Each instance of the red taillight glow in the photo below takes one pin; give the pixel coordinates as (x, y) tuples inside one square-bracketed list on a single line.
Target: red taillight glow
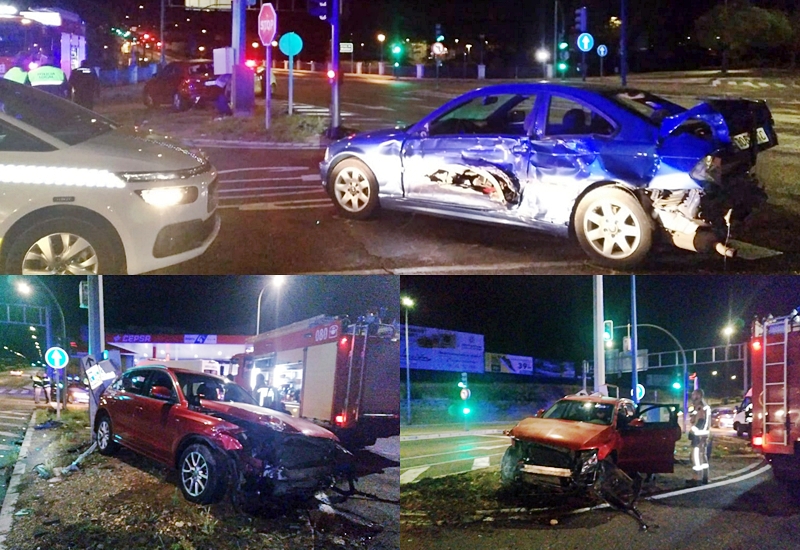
[(758, 441), (250, 63), (331, 74), (340, 418), (756, 345), (343, 341)]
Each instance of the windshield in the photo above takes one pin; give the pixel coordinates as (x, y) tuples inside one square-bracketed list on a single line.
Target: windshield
[(212, 389), (57, 117), (581, 411)]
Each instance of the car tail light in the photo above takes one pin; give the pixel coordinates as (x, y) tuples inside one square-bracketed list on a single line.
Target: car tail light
[(250, 63), (341, 419), (343, 341), (758, 441)]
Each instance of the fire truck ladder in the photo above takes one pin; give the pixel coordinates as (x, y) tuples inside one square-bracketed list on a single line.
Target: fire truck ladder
[(776, 411)]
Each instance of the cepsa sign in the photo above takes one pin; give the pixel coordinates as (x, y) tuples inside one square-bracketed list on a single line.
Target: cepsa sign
[(267, 24)]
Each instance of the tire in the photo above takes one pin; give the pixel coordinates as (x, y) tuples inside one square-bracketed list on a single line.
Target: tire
[(179, 103), (202, 474), (509, 468), (63, 246), (613, 228), (354, 190), (740, 430), (105, 436), (148, 101)]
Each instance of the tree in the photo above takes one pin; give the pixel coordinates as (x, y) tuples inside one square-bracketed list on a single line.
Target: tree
[(736, 29)]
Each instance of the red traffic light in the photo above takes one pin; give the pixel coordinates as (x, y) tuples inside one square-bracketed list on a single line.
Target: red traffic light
[(331, 74)]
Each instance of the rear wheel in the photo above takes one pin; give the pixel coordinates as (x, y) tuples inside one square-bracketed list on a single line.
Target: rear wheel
[(354, 189), (203, 475), (613, 228)]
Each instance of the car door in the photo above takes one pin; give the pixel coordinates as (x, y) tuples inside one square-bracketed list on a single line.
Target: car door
[(166, 83), (158, 418), (474, 156), (648, 439), (122, 404)]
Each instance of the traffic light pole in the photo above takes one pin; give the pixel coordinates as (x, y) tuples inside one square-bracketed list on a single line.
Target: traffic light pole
[(555, 38), (623, 50), (335, 122)]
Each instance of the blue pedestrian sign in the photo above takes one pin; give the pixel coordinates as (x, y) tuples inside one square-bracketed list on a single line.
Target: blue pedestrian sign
[(56, 358), (585, 42), (602, 51)]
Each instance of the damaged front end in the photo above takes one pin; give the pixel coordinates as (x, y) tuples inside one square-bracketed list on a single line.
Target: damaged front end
[(549, 466)]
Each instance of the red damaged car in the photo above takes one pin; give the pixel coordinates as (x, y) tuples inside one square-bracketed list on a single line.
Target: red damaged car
[(569, 444), (216, 436)]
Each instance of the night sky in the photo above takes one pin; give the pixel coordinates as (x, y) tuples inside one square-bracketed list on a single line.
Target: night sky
[(211, 305), (550, 317)]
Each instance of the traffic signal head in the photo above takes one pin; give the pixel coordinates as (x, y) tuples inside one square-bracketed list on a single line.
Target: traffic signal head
[(562, 45), (321, 8), (562, 66), (466, 411), (438, 33), (676, 385), (397, 49), (608, 330), (580, 20)]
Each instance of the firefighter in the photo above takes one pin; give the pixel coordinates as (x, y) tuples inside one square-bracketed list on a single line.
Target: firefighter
[(84, 85), (698, 436)]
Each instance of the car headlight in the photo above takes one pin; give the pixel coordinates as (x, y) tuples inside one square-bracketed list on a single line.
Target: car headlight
[(162, 197), (709, 169), (587, 460)]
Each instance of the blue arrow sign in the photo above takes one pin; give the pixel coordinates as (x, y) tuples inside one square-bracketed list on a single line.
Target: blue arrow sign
[(56, 358), (602, 51), (585, 42)]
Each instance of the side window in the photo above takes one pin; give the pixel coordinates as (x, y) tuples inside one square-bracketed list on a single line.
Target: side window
[(566, 117), (13, 139), (657, 414), (487, 114), (161, 378), (133, 382)]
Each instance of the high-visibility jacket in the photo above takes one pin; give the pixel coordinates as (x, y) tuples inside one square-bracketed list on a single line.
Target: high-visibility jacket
[(47, 75), (701, 427), (16, 74)]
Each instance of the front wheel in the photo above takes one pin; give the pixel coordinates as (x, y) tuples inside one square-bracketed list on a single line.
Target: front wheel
[(63, 246), (105, 437), (179, 103), (354, 189), (203, 475), (613, 228), (509, 468)]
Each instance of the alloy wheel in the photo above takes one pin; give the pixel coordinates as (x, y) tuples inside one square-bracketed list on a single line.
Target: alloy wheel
[(60, 254), (612, 229), (352, 189), (194, 474)]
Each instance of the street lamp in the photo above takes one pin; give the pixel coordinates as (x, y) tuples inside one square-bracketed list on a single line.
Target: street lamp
[(407, 303), (542, 56), (381, 38), (277, 282), (26, 290)]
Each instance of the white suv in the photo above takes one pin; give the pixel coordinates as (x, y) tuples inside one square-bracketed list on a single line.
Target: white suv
[(79, 195)]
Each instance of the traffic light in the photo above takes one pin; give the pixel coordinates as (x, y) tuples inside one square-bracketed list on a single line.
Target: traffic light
[(466, 411), (397, 52), (321, 8), (676, 385), (562, 67), (562, 45), (438, 33), (580, 20), (608, 330)]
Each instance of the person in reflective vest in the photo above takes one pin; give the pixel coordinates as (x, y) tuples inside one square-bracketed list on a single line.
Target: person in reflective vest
[(49, 79), (84, 85), (17, 74), (41, 384), (698, 436)]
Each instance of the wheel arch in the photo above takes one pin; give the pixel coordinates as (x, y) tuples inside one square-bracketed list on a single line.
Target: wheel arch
[(192, 439), (79, 213)]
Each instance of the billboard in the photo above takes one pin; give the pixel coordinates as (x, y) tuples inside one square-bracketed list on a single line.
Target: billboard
[(509, 364), (445, 350), (208, 4)]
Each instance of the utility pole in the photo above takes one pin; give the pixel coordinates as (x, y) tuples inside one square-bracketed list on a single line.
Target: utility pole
[(623, 49), (335, 118), (634, 342), (599, 350), (163, 60)]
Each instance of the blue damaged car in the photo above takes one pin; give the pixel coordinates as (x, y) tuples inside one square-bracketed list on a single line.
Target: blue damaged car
[(616, 168)]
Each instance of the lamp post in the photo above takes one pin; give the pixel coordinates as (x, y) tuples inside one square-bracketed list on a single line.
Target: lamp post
[(542, 56), (277, 282), (407, 303)]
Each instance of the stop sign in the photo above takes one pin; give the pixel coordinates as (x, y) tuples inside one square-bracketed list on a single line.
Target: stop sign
[(267, 24)]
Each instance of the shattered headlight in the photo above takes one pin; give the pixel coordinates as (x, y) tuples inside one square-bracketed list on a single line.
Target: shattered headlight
[(587, 461), (709, 169)]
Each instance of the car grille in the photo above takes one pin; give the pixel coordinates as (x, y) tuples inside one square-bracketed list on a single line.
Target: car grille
[(182, 237), (545, 455), (213, 195)]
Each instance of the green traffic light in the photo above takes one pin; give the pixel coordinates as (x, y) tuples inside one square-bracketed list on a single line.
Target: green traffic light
[(396, 64), (396, 50), (562, 45), (466, 411), (440, 38), (676, 385), (562, 66)]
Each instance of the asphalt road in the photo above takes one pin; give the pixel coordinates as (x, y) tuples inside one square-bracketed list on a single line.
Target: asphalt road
[(276, 218)]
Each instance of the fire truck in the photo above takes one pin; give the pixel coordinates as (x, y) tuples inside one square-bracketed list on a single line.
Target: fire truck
[(41, 35), (775, 346), (338, 374)]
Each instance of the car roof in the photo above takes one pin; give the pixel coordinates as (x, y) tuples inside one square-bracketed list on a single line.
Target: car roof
[(595, 399), (569, 88), (177, 371)]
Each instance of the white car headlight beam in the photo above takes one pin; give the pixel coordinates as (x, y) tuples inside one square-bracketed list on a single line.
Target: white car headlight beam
[(48, 175), (163, 197)]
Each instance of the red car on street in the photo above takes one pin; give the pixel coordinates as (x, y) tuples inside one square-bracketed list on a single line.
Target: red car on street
[(216, 436), (183, 84)]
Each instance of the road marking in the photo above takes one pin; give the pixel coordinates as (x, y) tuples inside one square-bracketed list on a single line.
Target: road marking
[(11, 425), (286, 205), (6, 447), (373, 107), (8, 434), (450, 461), (479, 463), (285, 178), (415, 457), (711, 485), (456, 269), (276, 188), (420, 437), (412, 474), (265, 195), (265, 168)]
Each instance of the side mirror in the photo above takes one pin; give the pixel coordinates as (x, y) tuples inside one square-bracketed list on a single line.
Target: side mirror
[(540, 413), (160, 392)]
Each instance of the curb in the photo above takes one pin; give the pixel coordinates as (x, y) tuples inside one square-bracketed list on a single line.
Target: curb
[(10, 501)]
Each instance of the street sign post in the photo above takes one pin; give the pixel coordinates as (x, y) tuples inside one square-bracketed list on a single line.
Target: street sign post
[(56, 358), (267, 27), (291, 44), (602, 51)]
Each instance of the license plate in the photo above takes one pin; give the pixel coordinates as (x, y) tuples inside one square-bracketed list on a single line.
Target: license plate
[(742, 141)]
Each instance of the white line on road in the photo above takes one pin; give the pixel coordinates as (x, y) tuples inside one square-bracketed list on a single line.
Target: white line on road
[(293, 205), (265, 195), (285, 178), (267, 168), (479, 463), (411, 475), (8, 434), (457, 451), (281, 188), (711, 485), (454, 269), (449, 461), (373, 107)]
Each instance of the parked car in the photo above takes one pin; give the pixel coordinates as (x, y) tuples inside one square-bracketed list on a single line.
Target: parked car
[(81, 195), (261, 76), (183, 84), (213, 433), (722, 417), (613, 167), (567, 445)]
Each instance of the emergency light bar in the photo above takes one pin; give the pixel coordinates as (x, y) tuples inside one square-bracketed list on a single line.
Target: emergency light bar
[(5, 9), (49, 18)]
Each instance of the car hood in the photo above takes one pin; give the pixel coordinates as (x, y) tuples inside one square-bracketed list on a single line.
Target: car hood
[(375, 136), (561, 433), (127, 150), (266, 417)]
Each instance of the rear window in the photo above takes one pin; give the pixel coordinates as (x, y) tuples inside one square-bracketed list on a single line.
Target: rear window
[(644, 104)]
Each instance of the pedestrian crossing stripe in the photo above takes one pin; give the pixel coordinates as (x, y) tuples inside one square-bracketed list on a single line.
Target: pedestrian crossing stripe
[(410, 475), (480, 462)]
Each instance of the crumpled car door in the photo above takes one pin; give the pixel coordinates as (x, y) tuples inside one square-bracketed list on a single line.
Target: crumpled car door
[(648, 441)]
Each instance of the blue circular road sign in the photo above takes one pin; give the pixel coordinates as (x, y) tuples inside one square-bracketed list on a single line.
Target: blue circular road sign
[(585, 42), (290, 44), (56, 358), (602, 51), (639, 392)]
